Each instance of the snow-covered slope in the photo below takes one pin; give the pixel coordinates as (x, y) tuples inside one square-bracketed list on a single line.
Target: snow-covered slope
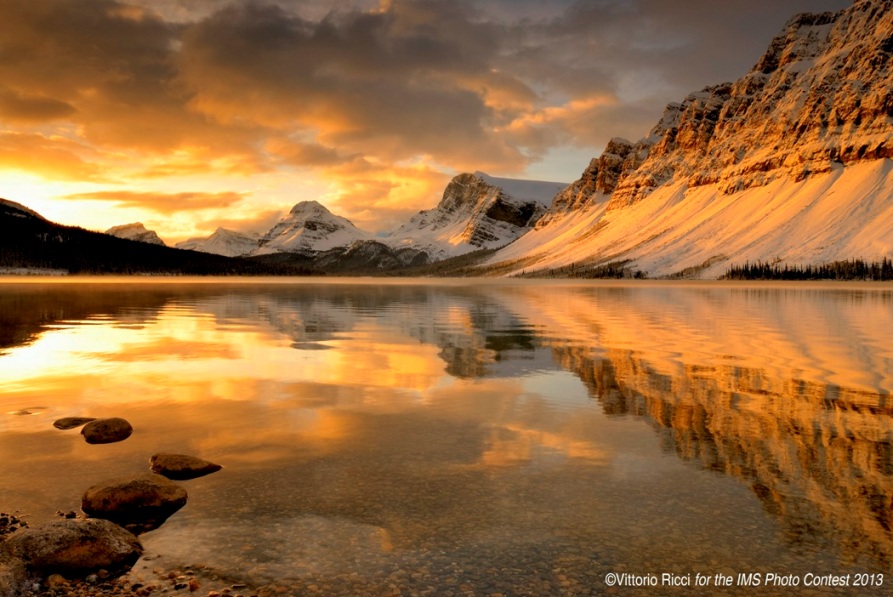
[(223, 242), (477, 211), (842, 214), (789, 163), (135, 231), (310, 228)]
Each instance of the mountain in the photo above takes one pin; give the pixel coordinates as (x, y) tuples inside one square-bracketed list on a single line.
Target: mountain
[(223, 242), (477, 211), (11, 209), (308, 228), (28, 241), (136, 232), (789, 164)]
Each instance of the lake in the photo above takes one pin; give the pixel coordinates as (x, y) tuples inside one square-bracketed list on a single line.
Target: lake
[(472, 436)]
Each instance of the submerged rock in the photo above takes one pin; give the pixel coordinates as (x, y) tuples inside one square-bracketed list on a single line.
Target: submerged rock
[(9, 523), (139, 504), (106, 431), (72, 422), (181, 467), (73, 548), (12, 573)]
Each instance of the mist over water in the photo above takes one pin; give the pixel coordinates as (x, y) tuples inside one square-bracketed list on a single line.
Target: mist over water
[(512, 437)]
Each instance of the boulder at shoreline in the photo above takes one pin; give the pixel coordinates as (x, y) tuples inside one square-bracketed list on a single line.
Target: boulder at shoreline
[(71, 547)]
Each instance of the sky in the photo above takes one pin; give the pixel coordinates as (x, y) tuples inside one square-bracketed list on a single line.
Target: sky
[(188, 115)]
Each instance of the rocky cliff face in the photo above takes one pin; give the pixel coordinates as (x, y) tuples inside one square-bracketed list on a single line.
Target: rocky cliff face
[(789, 164), (600, 178), (137, 232), (820, 95), (476, 212)]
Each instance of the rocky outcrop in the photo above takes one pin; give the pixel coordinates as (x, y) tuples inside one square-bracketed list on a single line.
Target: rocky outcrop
[(73, 548), (139, 503), (136, 231), (790, 163), (819, 96), (600, 178), (475, 212)]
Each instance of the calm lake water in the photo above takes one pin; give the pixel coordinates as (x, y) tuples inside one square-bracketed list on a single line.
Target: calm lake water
[(454, 436)]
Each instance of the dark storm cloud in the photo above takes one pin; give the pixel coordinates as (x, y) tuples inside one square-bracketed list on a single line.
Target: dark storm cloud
[(407, 81)]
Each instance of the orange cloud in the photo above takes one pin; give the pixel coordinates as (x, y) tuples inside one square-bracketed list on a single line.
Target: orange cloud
[(51, 157), (379, 197), (20, 108), (260, 222), (166, 203)]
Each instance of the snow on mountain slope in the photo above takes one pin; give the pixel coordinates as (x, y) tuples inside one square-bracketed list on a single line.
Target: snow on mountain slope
[(845, 213), (228, 243), (786, 163), (525, 190), (137, 232), (310, 227), (477, 211)]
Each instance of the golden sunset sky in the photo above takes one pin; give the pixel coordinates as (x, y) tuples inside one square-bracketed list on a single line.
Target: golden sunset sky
[(187, 115)]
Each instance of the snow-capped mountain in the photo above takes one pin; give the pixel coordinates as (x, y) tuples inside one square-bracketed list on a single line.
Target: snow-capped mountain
[(477, 211), (136, 231), (223, 242), (790, 163), (310, 227)]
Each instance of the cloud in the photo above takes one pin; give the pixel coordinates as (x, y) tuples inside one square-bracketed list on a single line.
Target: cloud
[(108, 68), (410, 80), (379, 197), (304, 154), (382, 100), (18, 108), (258, 222), (52, 157), (166, 203)]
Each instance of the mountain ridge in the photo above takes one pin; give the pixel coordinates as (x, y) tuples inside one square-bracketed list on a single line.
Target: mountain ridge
[(811, 122), (136, 231)]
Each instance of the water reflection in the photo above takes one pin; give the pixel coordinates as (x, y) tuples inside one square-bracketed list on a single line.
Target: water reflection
[(517, 427)]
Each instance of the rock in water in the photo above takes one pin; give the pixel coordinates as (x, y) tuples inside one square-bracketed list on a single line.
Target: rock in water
[(106, 431), (181, 467), (72, 422), (75, 548), (12, 573), (139, 504)]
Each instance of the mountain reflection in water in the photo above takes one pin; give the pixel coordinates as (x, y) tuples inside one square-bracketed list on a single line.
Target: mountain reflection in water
[(462, 416)]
